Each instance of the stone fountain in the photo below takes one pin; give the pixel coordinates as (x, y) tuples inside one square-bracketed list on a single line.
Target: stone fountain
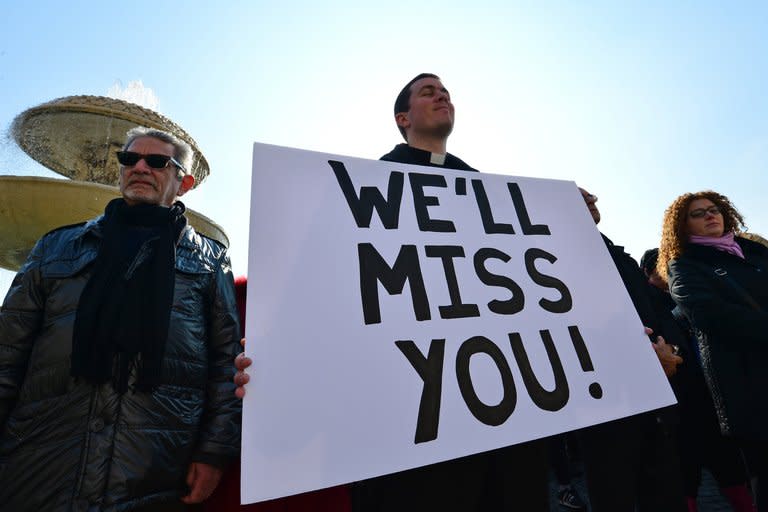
[(77, 137)]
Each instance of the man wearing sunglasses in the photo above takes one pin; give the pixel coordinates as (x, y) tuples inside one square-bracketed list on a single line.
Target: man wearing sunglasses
[(116, 342), (140, 185)]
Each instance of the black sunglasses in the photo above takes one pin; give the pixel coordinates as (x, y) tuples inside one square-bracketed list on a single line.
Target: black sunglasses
[(131, 158)]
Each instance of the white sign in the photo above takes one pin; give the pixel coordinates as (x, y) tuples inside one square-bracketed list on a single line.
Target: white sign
[(401, 315)]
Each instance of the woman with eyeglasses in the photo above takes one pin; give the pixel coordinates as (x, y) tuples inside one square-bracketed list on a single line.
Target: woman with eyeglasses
[(720, 282)]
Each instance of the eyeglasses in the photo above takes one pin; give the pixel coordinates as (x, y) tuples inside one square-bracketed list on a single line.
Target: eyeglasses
[(698, 213), (131, 158)]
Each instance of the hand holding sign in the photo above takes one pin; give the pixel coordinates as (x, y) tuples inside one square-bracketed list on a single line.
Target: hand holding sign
[(242, 362)]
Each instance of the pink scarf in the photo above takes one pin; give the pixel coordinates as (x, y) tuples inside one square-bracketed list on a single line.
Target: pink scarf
[(726, 243)]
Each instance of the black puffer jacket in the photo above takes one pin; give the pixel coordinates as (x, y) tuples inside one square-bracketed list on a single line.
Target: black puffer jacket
[(732, 333), (67, 445)]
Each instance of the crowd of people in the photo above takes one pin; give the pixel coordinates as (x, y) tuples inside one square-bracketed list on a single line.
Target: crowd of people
[(118, 390)]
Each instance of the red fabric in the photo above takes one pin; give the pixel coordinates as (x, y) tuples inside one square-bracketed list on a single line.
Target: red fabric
[(241, 287), (739, 497), (226, 498)]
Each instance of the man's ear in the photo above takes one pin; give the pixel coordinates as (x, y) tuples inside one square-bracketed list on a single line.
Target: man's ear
[(402, 120), (187, 182)]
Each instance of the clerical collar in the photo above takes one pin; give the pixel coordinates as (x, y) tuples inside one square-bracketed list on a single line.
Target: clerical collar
[(437, 159)]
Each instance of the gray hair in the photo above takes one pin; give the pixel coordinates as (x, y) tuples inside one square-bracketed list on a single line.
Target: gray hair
[(181, 150)]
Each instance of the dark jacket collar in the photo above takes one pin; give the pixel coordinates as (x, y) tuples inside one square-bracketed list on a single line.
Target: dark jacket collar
[(609, 243), (405, 154)]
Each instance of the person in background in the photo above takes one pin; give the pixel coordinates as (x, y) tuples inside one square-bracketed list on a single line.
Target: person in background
[(631, 463), (699, 439), (720, 282)]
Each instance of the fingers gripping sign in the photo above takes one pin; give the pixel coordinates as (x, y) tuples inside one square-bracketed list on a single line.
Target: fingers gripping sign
[(667, 354), (242, 362)]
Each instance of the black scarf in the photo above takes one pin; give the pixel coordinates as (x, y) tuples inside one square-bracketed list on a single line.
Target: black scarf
[(125, 307)]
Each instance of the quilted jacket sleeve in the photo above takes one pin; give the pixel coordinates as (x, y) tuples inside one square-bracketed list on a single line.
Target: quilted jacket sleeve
[(20, 320), (219, 440)]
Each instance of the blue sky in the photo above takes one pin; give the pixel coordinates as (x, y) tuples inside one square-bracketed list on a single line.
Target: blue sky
[(637, 102)]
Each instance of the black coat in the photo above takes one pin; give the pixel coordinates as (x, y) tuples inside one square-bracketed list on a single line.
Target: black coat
[(634, 459), (712, 288), (636, 284), (66, 444), (654, 313)]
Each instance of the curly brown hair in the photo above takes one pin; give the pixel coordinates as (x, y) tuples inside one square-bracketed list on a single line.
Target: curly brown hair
[(674, 233)]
